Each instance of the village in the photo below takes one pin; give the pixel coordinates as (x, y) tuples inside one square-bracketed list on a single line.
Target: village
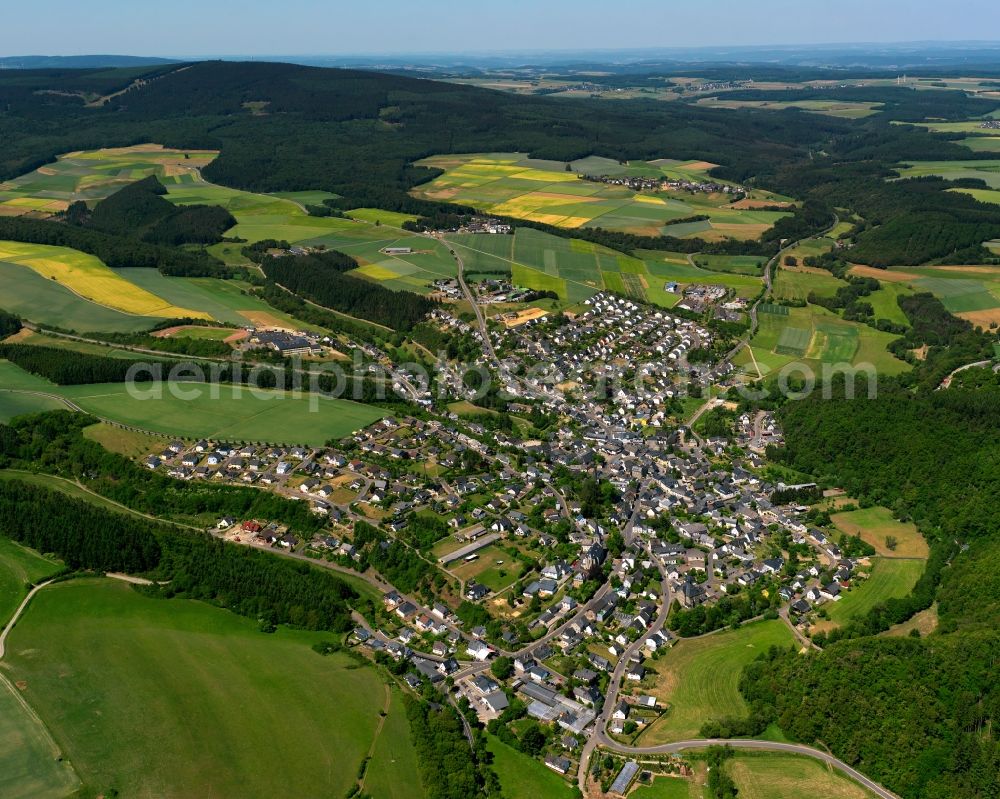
[(539, 599)]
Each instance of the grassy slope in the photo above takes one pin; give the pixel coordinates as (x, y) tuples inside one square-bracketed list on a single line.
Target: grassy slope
[(29, 768), (176, 698), (523, 777), (235, 414), (18, 567), (393, 772), (698, 678), (781, 776), (33, 297), (890, 577), (12, 405), (875, 523)]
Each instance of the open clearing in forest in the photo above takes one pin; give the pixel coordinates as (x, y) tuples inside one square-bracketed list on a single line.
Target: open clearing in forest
[(152, 697), (875, 524), (890, 578)]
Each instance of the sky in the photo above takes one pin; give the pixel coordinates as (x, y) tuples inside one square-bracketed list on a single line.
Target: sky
[(337, 27)]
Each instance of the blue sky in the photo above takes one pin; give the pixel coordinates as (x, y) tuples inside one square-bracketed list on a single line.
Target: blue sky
[(267, 27)]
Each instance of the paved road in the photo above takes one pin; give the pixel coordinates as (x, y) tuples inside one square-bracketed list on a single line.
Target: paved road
[(599, 735), (947, 381), (480, 317), (771, 746)]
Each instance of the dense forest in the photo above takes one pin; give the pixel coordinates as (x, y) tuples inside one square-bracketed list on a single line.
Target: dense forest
[(9, 324), (139, 210), (913, 713), (68, 368), (247, 581), (358, 134), (320, 277)]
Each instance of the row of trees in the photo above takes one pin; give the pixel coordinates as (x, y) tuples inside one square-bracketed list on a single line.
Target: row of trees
[(320, 277)]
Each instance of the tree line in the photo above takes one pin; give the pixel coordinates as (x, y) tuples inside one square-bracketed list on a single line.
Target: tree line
[(118, 252), (191, 565), (320, 277)]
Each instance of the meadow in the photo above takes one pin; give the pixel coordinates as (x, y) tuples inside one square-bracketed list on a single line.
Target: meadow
[(88, 277), (890, 577), (669, 788), (833, 108), (20, 567), (815, 336), (523, 777), (987, 170), (13, 405), (94, 175), (153, 698), (697, 678), (30, 764), (511, 184), (971, 292), (874, 524), (776, 775), (189, 410), (46, 302)]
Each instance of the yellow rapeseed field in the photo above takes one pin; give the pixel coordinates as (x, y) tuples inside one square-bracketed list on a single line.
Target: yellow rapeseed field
[(91, 279)]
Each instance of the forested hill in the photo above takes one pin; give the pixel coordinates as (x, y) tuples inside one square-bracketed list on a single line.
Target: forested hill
[(917, 715), (287, 127)]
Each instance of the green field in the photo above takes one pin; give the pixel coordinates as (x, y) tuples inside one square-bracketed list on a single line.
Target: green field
[(987, 171), (19, 567), (523, 777), (93, 175), (12, 405), (781, 339), (775, 775), (875, 523), (175, 698), (30, 764), (577, 269), (393, 772), (31, 296), (698, 678), (669, 788), (791, 284), (885, 302), (675, 268), (235, 413), (736, 264), (890, 577), (511, 184)]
